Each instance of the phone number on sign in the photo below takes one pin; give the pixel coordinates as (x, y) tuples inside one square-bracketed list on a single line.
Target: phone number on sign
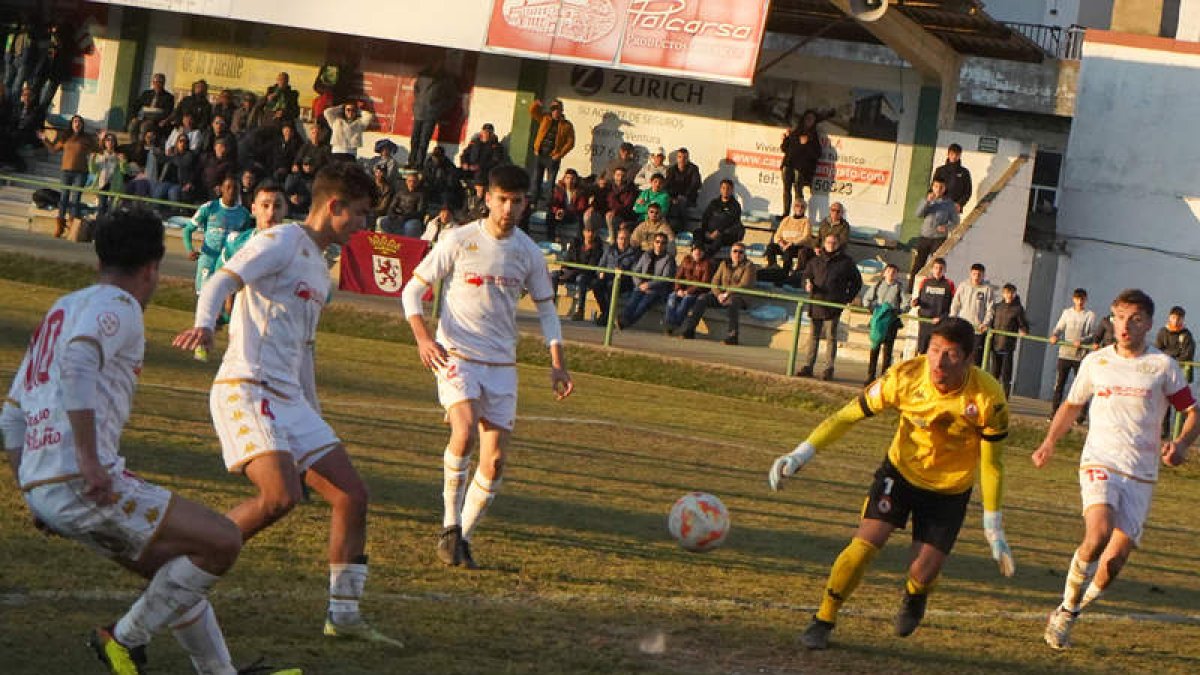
[(833, 186)]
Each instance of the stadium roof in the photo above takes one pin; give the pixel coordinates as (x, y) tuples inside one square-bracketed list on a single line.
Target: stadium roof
[(961, 24)]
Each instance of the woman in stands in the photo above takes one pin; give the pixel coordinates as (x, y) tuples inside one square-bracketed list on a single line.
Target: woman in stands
[(76, 144)]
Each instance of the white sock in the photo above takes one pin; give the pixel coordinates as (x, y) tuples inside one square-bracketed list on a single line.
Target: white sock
[(200, 636), (1078, 575), (176, 587), (479, 496), (454, 486), (1093, 592), (346, 582)]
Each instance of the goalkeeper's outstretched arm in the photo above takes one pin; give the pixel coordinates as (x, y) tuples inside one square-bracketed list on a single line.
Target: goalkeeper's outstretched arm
[(827, 432)]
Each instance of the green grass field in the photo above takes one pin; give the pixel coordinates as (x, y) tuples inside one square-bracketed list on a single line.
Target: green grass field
[(579, 574)]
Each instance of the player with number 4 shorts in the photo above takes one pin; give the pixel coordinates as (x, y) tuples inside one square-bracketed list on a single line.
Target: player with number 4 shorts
[(62, 423), (1130, 384), (953, 422), (264, 401)]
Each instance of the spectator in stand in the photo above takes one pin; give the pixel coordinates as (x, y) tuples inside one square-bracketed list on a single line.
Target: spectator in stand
[(281, 104), (648, 230), (932, 299), (283, 153), (794, 241), (76, 145), (219, 129), (1076, 328), (625, 159), (939, 214), (476, 206), (1007, 315), (683, 184), (137, 153), (721, 224), (106, 171), (154, 106), (973, 301), (407, 214), (248, 186), (195, 104), (214, 167), (439, 224), (298, 188), (555, 138), (656, 164), (66, 44), (567, 205), (188, 130), (216, 220), (733, 274), (802, 149), (27, 121), (622, 255), (225, 107), (832, 276), (836, 224), (315, 151), (179, 178), (1175, 340), (439, 178), (586, 249), (483, 153), (435, 93), (655, 194), (956, 177), (384, 194), (347, 123), (146, 159), (658, 262), (696, 267), (885, 299), (620, 198), (385, 156), (1105, 334), (245, 117)]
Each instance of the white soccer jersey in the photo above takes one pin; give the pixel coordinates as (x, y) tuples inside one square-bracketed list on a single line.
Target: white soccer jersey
[(479, 314), (110, 319), (274, 320), (1129, 400)]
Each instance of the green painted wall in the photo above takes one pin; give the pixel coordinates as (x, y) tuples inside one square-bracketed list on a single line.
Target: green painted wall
[(920, 169), (531, 82)]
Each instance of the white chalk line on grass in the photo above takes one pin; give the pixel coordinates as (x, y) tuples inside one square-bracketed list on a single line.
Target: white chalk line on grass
[(22, 598)]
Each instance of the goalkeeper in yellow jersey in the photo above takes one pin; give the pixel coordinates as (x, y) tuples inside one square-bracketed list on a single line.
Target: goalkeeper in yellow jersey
[(953, 422)]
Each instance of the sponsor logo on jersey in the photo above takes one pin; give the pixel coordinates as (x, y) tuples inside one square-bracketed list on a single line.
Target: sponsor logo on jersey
[(306, 292), (479, 280), (109, 323), (971, 411)]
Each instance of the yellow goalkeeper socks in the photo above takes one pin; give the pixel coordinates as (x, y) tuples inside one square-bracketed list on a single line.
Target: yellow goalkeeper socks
[(845, 576)]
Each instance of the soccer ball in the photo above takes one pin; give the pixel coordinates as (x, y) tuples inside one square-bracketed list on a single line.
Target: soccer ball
[(698, 521)]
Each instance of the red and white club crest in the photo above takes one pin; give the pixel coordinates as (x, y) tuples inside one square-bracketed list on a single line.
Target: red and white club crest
[(389, 275)]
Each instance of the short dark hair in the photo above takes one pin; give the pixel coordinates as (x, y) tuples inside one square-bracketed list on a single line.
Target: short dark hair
[(1178, 311), (1137, 298), (954, 147), (726, 181), (958, 331), (343, 180), (508, 178), (938, 179), (660, 236), (266, 186), (128, 239), (891, 266), (978, 266), (1009, 287), (654, 205), (1079, 293), (658, 176), (938, 261)]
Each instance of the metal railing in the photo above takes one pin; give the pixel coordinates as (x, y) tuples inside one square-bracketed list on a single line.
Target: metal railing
[(45, 183), (1061, 43)]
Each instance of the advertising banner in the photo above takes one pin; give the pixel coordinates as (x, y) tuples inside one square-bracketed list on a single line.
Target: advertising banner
[(374, 263), (707, 39)]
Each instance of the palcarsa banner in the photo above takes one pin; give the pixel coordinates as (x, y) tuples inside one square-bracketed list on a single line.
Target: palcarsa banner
[(374, 263), (707, 39)]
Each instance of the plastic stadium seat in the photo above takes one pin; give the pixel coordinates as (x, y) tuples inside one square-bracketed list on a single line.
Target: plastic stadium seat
[(683, 239), (769, 313), (176, 222), (756, 251), (870, 267)]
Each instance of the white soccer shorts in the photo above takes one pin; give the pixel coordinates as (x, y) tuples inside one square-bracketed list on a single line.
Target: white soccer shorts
[(253, 420), (1128, 497), (120, 530), (492, 388)]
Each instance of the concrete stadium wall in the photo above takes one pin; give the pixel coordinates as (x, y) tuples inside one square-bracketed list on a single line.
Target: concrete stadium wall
[(1130, 205)]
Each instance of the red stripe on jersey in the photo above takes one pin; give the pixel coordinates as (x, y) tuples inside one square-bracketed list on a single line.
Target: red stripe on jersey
[(1182, 399)]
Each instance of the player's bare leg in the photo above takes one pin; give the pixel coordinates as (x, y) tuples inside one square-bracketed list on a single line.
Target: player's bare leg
[(1081, 587), (279, 490), (844, 577), (493, 445), (192, 548), (456, 461), (922, 575)]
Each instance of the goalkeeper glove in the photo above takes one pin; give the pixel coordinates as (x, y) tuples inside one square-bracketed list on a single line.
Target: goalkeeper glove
[(993, 530), (789, 464)]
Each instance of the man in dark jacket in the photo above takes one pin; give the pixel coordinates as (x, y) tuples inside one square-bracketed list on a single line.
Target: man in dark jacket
[(1175, 340), (483, 153), (683, 184), (622, 255), (195, 104), (657, 262), (956, 177), (154, 105), (932, 300), (721, 224), (801, 152), (831, 276), (1007, 315)]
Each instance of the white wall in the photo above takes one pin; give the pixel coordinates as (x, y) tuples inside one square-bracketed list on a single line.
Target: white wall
[(93, 102), (1189, 21)]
